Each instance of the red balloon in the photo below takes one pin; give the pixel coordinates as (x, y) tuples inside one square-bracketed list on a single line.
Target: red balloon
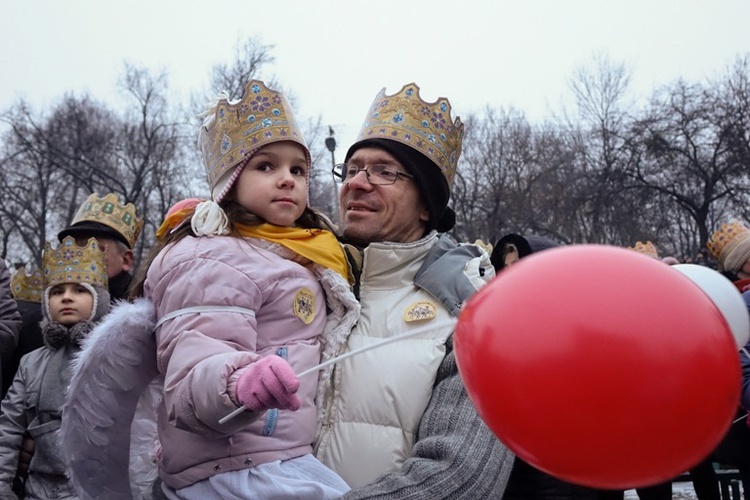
[(599, 365)]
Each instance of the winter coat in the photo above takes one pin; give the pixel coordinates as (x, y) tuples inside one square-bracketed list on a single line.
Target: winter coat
[(34, 405), (397, 420), (279, 308), (10, 319), (29, 338)]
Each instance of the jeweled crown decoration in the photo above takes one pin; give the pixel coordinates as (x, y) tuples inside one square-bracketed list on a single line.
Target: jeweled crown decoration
[(70, 263), (427, 127), (233, 129), (27, 287), (110, 212), (647, 248), (726, 238)]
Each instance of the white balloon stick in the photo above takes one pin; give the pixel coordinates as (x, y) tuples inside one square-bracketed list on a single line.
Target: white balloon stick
[(449, 323)]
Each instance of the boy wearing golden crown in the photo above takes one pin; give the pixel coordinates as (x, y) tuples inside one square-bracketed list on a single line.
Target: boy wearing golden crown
[(398, 422), (75, 297), (116, 227)]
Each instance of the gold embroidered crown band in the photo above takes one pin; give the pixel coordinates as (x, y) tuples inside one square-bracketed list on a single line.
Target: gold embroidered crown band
[(232, 130), (109, 212), (427, 127), (70, 263)]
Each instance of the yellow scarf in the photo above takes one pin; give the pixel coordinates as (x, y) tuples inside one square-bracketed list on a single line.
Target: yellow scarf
[(317, 245)]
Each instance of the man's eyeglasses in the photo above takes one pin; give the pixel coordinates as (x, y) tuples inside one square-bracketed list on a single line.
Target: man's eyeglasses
[(377, 175)]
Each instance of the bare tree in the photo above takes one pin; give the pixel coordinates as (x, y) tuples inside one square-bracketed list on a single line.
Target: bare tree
[(47, 165), (153, 142), (51, 163), (606, 202), (251, 56), (691, 148)]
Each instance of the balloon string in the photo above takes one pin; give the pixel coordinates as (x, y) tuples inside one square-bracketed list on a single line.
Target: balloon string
[(446, 323)]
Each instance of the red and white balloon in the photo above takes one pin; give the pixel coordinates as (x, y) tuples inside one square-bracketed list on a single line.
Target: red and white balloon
[(600, 366)]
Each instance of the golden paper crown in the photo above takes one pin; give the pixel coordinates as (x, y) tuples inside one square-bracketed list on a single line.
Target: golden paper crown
[(647, 248), (70, 263), (111, 213), (487, 246), (427, 127), (726, 238), (27, 287), (233, 129)]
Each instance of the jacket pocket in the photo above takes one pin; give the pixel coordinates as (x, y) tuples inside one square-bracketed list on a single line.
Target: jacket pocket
[(47, 456)]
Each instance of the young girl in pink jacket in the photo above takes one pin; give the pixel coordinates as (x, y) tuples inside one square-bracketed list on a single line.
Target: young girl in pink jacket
[(249, 289)]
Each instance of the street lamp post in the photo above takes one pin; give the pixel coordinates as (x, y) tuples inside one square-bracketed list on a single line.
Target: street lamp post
[(331, 146)]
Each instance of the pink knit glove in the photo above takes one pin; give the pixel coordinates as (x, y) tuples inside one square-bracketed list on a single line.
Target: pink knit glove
[(268, 383)]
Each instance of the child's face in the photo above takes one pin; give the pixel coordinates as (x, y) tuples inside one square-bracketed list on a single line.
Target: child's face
[(744, 271), (70, 303), (273, 185)]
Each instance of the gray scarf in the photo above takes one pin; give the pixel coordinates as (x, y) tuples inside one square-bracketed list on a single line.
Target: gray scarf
[(63, 344)]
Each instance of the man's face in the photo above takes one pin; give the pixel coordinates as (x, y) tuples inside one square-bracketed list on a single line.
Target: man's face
[(117, 257), (394, 212)]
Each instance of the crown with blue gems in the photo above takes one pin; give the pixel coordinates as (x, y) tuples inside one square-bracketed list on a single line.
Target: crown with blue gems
[(70, 263), (110, 212), (27, 287), (231, 130), (427, 127)]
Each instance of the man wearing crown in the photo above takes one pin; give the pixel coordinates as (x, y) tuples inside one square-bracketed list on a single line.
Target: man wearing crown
[(397, 421), (75, 297), (116, 227)]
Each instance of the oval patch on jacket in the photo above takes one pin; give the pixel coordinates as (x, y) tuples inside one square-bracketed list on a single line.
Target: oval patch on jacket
[(419, 311), (304, 305)]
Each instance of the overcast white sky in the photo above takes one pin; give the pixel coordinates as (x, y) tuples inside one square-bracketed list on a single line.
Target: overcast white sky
[(335, 55)]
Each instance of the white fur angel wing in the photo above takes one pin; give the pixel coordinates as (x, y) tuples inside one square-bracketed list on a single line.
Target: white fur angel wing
[(113, 370)]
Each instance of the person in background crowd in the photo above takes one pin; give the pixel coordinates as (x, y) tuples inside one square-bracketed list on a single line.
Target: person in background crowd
[(661, 491), (730, 246), (396, 420), (10, 319), (26, 290), (75, 298), (116, 227), (526, 482), (513, 247)]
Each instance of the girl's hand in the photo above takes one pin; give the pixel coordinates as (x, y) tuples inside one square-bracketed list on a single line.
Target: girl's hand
[(268, 383)]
